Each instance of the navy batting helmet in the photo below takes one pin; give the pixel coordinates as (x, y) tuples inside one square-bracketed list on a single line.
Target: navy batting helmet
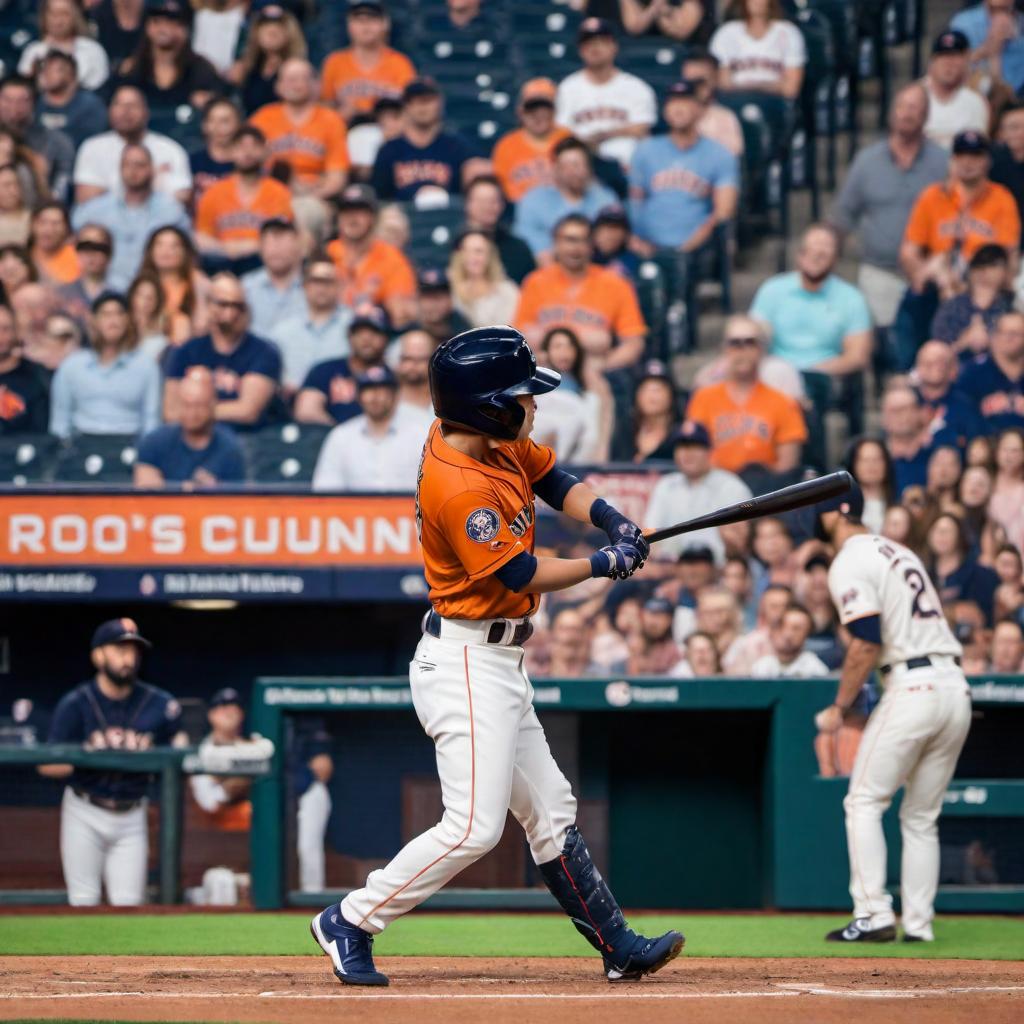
[(849, 504), (476, 377)]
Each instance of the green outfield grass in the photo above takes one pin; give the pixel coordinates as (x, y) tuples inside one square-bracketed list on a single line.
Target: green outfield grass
[(424, 934)]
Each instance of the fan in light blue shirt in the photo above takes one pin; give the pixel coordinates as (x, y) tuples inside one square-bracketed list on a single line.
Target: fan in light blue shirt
[(681, 184), (574, 191), (976, 22)]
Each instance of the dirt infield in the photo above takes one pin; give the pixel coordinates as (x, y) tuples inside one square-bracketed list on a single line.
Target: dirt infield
[(291, 989)]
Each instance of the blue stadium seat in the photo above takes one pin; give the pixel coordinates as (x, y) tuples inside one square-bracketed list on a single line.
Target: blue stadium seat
[(433, 231), (284, 454), (97, 458), (27, 458)]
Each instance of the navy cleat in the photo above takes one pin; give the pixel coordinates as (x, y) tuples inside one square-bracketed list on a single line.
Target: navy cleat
[(349, 947), (646, 957), (858, 931)]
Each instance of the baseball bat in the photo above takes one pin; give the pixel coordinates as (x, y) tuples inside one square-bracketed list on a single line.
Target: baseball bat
[(807, 492)]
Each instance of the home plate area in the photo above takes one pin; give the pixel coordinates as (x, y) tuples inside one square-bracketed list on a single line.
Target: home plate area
[(510, 989)]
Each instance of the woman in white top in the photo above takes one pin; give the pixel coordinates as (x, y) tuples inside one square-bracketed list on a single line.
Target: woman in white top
[(760, 50), (481, 290), (62, 27), (576, 418)]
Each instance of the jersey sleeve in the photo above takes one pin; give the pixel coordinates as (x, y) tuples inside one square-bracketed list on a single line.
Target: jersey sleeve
[(67, 725), (918, 230), (536, 459), (336, 158), (478, 534), (529, 304), (791, 422), (206, 212), (267, 363), (1008, 224), (854, 593), (170, 722)]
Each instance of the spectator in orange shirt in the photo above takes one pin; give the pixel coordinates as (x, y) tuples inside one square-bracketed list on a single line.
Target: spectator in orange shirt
[(310, 140), (231, 212), (749, 422), (52, 244), (951, 220), (598, 304), (522, 158), (372, 271), (354, 79)]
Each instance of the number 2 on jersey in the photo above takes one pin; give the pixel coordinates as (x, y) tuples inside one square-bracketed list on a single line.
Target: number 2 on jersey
[(923, 607)]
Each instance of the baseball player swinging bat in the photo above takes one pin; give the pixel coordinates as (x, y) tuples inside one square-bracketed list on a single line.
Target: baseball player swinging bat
[(785, 499)]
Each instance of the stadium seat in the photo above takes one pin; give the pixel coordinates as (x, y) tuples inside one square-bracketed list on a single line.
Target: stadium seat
[(284, 454), (27, 458), (650, 292), (97, 458), (433, 232)]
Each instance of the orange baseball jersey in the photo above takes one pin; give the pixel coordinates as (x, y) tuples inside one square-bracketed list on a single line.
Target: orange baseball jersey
[(941, 218), (474, 517), (600, 299), (317, 145), (381, 275), (223, 214), (747, 432), (521, 164), (355, 88)]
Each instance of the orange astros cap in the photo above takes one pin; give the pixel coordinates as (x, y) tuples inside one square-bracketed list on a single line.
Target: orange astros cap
[(536, 91)]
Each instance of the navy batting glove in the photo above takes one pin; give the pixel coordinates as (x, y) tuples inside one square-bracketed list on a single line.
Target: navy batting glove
[(619, 528), (616, 562)]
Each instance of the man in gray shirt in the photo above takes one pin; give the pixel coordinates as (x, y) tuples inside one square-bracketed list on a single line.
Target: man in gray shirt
[(880, 190), (17, 115)]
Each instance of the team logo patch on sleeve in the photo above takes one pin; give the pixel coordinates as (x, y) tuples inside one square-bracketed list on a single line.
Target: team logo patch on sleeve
[(482, 525)]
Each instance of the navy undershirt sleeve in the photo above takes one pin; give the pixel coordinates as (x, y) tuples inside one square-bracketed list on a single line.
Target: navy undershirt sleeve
[(518, 571), (553, 486), (869, 628)]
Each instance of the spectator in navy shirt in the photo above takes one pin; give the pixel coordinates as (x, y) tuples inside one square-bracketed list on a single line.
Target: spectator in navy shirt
[(966, 320), (611, 242), (906, 436), (62, 105), (957, 575), (328, 393), (220, 124), (934, 373), (994, 383), (24, 385), (246, 369), (195, 452), (1008, 156), (424, 155)]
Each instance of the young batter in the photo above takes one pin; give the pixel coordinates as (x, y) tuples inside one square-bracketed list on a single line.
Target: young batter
[(475, 510), (913, 738)]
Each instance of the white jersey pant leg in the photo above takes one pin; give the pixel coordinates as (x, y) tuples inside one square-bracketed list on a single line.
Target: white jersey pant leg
[(922, 802), (314, 812), (894, 737), (83, 849), (470, 700), (542, 799), (124, 872)]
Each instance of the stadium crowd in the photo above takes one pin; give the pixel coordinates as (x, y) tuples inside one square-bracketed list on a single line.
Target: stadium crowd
[(340, 211)]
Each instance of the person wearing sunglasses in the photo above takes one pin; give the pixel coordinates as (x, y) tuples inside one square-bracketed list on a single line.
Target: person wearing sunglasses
[(749, 422), (246, 369), (94, 248)]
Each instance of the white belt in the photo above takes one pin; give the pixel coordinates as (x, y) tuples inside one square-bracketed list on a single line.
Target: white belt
[(497, 632)]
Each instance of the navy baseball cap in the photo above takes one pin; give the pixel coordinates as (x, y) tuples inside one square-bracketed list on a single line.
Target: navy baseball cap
[(366, 7), (226, 695), (269, 10), (692, 432), (418, 87), (592, 28), (613, 213), (661, 605), (176, 9), (118, 631), (358, 197), (850, 503), (376, 377), (970, 142), (951, 41), (697, 553), (371, 316), (433, 279), (683, 89)]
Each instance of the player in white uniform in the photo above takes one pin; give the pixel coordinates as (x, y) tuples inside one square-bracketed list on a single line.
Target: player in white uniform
[(915, 735)]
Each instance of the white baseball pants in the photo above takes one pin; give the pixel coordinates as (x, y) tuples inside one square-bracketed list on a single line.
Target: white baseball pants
[(913, 739), (475, 702), (313, 814), (97, 847)]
